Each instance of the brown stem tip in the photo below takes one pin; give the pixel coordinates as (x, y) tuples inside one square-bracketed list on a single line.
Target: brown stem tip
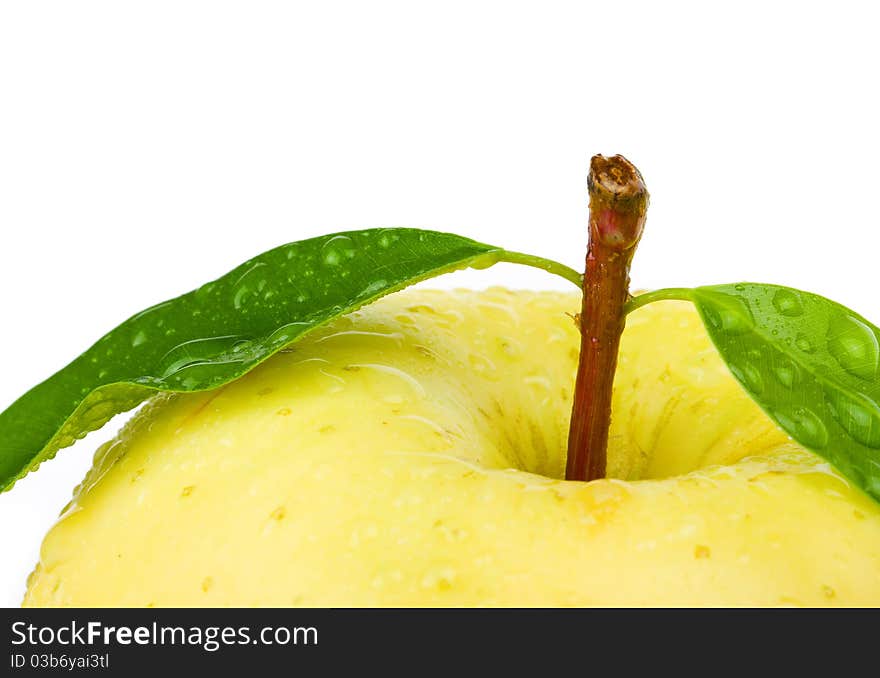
[(618, 202), (618, 205)]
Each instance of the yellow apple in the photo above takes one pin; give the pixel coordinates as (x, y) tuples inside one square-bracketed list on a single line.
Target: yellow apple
[(411, 453)]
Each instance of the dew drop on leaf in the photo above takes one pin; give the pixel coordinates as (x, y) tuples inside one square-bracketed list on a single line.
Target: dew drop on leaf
[(854, 346), (287, 333), (190, 383), (338, 249), (373, 287), (196, 352), (729, 314), (805, 426), (205, 290), (859, 418), (804, 344), (788, 303), (750, 376), (785, 374), (240, 346), (241, 295)]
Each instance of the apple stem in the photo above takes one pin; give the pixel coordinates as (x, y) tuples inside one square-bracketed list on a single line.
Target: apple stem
[(618, 205)]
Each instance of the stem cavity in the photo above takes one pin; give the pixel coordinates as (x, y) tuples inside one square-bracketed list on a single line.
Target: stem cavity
[(618, 205)]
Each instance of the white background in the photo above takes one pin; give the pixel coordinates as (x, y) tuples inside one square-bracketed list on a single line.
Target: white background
[(148, 147)]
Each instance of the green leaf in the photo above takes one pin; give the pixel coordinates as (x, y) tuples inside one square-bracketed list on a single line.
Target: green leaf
[(222, 330), (811, 364)]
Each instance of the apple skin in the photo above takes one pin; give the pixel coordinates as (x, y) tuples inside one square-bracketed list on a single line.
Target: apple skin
[(410, 454)]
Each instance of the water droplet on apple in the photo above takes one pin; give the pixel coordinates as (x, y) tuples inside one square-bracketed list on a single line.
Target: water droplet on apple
[(510, 347), (402, 376), (539, 382), (440, 578)]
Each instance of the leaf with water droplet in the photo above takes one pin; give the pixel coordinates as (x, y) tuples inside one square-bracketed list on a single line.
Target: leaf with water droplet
[(810, 363), (222, 330)]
